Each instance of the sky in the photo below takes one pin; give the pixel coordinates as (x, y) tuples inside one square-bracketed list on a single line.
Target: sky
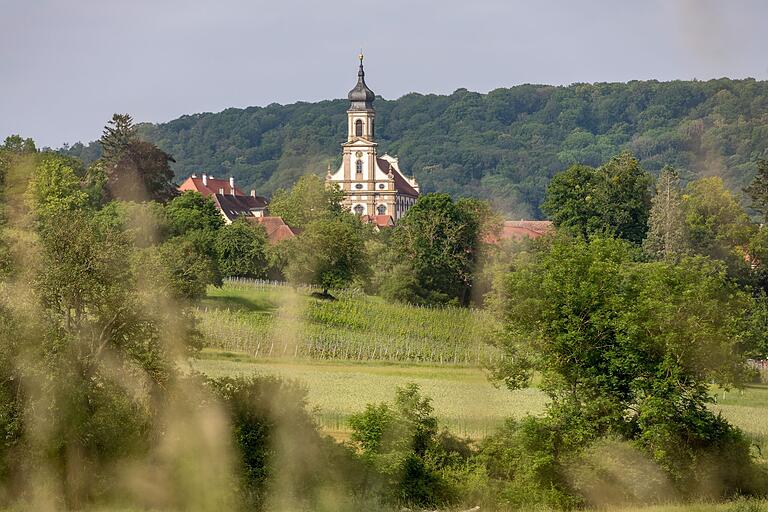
[(67, 65)]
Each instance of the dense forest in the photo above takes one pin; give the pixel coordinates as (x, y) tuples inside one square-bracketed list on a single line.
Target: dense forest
[(504, 145)]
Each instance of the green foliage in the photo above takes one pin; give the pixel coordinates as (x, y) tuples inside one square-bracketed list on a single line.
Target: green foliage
[(758, 254), (187, 266), (612, 200), (718, 226), (308, 200), (242, 249), (757, 191), (402, 445), (627, 348), (437, 243), (55, 187), (503, 146), (522, 457), (329, 253), (140, 172), (667, 232), (191, 211), (267, 415), (118, 134), (19, 145)]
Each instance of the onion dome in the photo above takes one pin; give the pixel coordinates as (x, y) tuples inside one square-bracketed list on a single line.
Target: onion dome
[(361, 96)]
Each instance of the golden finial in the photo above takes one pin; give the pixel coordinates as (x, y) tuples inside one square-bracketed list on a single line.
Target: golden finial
[(361, 56)]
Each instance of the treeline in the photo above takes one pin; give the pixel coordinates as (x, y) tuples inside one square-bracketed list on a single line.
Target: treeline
[(503, 146)]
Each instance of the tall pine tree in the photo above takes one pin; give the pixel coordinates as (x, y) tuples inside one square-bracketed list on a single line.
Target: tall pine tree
[(667, 237), (758, 190), (118, 134)]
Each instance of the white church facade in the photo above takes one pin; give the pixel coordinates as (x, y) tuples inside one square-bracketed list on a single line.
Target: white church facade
[(374, 186)]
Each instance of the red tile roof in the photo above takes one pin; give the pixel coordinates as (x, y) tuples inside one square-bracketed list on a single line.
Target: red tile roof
[(277, 230), (401, 184), (382, 221), (214, 186)]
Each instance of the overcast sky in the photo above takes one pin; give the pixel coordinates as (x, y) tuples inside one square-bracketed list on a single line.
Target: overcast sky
[(67, 65)]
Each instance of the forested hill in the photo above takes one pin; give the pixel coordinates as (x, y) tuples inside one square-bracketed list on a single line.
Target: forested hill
[(504, 145)]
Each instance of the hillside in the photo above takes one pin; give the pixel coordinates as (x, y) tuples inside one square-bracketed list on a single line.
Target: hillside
[(503, 146)]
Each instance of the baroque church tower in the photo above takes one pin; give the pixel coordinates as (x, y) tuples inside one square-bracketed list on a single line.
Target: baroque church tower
[(374, 187)]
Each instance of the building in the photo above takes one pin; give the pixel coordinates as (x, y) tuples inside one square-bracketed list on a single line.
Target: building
[(277, 230), (374, 186), (230, 200), (233, 203)]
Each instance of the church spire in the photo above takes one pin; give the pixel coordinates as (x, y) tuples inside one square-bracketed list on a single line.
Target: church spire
[(361, 96)]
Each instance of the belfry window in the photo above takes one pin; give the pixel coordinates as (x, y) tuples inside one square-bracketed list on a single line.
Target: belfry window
[(359, 128), (359, 166), (381, 209), (359, 209)]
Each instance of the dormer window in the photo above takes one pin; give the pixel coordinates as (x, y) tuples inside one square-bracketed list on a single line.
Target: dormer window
[(359, 128), (359, 166)]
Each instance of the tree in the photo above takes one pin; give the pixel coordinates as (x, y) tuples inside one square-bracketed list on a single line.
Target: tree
[(571, 200), (308, 200), (438, 240), (329, 253), (55, 187), (140, 172), (718, 226), (118, 134), (613, 199), (758, 189), (242, 249), (667, 232), (18, 144), (628, 348), (191, 211)]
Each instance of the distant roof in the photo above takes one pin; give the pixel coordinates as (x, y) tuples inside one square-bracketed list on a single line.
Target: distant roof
[(277, 230), (238, 206), (401, 184), (382, 221), (212, 186)]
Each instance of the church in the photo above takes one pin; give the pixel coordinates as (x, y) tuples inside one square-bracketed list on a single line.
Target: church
[(374, 186)]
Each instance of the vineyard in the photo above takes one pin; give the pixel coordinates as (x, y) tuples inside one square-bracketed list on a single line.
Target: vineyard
[(270, 320)]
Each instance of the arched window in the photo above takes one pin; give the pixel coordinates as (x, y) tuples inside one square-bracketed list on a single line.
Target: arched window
[(381, 209), (359, 128), (359, 209), (372, 127), (359, 166)]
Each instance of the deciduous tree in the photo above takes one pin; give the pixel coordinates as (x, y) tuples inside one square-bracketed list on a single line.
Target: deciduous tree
[(308, 200), (242, 249)]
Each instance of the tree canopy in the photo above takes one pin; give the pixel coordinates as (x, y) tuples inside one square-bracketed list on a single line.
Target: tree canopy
[(613, 199)]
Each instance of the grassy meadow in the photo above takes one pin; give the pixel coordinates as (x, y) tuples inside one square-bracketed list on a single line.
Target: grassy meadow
[(358, 349)]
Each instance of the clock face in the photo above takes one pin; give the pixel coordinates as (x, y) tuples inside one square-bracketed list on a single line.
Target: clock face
[(359, 154)]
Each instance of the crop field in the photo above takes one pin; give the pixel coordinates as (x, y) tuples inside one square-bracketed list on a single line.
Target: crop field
[(271, 321)]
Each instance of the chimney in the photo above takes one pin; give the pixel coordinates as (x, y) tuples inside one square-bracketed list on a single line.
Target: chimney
[(205, 180), (253, 193), (194, 175), (232, 184)]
